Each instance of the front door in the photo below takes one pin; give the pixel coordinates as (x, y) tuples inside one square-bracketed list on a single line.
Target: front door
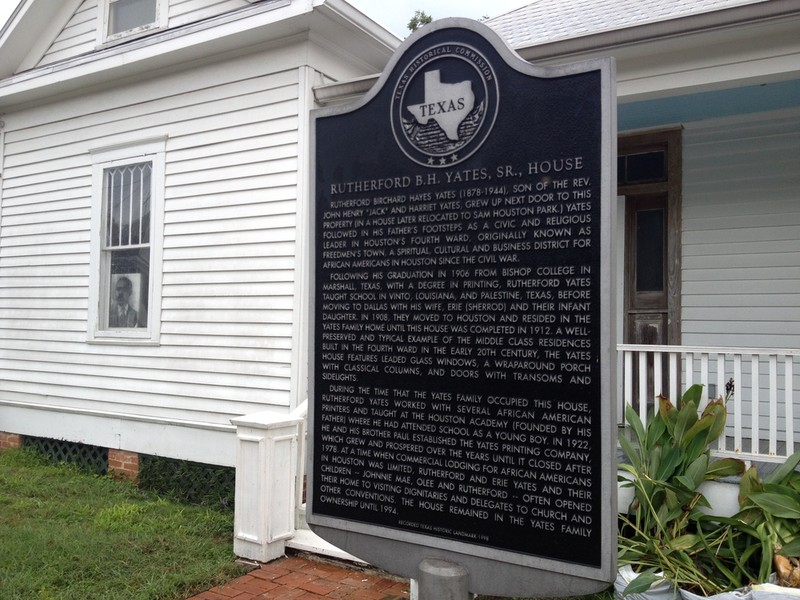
[(649, 177)]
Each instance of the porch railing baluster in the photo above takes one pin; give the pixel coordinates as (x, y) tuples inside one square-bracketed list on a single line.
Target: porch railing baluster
[(643, 387), (737, 402), (789, 403), (686, 365), (721, 390), (755, 409)]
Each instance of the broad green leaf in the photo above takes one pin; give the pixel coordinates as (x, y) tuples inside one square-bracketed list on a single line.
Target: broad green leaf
[(749, 484), (684, 542), (687, 483), (672, 514), (785, 470), (783, 490), (629, 451), (687, 416), (719, 413), (693, 394), (696, 472), (702, 501), (635, 424), (700, 430), (671, 500), (695, 446), (725, 467), (776, 505), (642, 583), (750, 515), (663, 516), (669, 462), (668, 413), (654, 459), (655, 431), (792, 549)]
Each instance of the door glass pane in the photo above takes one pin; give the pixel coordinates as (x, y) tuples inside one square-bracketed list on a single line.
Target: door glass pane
[(644, 167), (650, 250)]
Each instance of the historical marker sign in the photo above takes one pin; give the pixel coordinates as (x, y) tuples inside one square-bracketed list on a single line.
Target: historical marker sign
[(461, 321)]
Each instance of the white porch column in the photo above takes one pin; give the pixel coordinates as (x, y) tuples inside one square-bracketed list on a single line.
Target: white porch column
[(266, 470)]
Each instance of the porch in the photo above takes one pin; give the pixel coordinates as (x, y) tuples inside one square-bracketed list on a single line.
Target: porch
[(762, 421)]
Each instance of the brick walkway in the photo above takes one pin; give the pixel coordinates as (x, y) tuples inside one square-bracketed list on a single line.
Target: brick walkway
[(306, 577)]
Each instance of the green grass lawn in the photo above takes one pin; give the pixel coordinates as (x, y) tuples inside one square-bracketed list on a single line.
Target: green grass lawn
[(68, 535)]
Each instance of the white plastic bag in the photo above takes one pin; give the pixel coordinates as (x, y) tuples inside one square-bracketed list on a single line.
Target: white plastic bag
[(771, 591), (662, 590), (758, 591), (745, 594)]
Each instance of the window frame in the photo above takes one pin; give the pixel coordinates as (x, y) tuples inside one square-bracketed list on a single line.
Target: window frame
[(104, 20), (100, 277)]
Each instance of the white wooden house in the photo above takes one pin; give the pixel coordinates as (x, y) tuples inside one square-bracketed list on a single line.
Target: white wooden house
[(207, 103), (196, 113)]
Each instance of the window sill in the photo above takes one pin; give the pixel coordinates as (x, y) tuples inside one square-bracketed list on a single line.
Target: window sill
[(127, 36), (120, 341)]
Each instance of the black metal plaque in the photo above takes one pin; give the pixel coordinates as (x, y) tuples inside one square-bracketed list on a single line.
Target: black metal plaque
[(459, 357)]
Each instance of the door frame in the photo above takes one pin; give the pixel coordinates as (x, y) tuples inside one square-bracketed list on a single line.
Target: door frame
[(669, 140)]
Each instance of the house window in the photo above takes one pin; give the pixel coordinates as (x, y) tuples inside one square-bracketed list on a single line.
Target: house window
[(127, 191), (126, 216), (124, 18)]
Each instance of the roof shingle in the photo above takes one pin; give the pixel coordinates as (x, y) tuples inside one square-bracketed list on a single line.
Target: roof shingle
[(546, 21)]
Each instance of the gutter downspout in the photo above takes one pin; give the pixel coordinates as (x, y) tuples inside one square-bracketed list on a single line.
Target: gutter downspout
[(344, 91)]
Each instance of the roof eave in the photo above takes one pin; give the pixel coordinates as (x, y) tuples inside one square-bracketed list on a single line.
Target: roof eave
[(232, 31), (731, 17)]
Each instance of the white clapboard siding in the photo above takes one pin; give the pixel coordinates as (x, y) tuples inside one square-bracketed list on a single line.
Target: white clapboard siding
[(741, 237), (164, 399), (186, 359), (741, 229), (239, 359), (79, 35), (59, 183), (237, 77), (229, 270), (189, 11), (241, 386), (90, 131)]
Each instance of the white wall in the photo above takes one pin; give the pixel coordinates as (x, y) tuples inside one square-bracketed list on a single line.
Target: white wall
[(741, 232), (228, 260), (79, 36), (741, 243)]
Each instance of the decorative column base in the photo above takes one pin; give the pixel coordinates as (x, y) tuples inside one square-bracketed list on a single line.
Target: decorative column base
[(266, 468)]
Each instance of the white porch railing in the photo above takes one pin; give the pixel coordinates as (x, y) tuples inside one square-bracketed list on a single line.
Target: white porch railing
[(763, 413)]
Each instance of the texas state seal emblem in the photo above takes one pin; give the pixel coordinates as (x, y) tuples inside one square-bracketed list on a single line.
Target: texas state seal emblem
[(444, 105)]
